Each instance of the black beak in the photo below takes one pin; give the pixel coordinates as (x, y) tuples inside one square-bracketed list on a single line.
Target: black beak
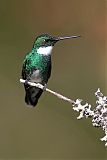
[(68, 37)]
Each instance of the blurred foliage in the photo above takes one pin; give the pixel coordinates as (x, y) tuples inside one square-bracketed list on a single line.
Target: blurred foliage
[(51, 131)]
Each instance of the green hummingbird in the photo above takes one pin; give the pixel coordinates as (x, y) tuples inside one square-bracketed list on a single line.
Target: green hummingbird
[(37, 65)]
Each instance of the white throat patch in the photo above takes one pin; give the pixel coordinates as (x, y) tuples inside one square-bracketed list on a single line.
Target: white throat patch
[(45, 50)]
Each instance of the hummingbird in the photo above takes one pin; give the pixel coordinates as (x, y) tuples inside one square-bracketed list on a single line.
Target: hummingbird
[(37, 66)]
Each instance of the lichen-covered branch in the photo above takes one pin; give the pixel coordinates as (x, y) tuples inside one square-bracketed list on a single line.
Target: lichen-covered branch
[(98, 115)]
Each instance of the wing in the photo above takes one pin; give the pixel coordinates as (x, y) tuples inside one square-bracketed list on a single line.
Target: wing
[(26, 72), (49, 70), (32, 93)]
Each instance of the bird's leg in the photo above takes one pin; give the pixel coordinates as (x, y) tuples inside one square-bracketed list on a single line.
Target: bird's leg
[(44, 88), (26, 81)]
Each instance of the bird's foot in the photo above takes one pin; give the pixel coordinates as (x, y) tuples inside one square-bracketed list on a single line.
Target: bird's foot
[(26, 81), (44, 88)]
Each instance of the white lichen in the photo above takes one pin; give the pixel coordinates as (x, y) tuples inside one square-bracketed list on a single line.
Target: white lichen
[(98, 114)]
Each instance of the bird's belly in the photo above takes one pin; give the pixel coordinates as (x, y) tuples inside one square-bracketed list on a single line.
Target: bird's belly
[(36, 77)]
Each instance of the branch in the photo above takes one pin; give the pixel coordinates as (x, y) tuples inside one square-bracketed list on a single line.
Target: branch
[(98, 115), (48, 90)]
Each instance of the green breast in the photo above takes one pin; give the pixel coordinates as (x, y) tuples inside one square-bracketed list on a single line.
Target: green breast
[(34, 61)]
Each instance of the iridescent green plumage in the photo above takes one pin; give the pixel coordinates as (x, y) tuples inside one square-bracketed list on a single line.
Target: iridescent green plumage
[(34, 61), (37, 66)]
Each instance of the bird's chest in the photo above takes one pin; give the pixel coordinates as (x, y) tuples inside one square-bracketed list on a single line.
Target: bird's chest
[(36, 76), (37, 68)]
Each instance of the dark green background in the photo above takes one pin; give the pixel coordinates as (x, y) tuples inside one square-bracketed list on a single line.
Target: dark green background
[(51, 130)]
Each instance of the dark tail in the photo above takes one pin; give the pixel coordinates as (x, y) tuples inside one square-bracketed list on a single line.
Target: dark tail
[(32, 95)]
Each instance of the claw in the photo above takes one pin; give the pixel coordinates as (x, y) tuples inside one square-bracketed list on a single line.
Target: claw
[(44, 88), (26, 81)]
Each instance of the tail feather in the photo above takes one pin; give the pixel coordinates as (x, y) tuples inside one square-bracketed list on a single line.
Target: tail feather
[(32, 95)]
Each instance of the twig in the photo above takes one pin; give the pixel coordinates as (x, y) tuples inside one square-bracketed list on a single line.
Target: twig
[(98, 115), (48, 90)]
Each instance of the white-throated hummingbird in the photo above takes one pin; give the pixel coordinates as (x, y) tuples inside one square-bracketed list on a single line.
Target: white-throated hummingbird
[(37, 65)]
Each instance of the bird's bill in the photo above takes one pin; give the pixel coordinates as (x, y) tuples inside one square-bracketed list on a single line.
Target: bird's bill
[(68, 37)]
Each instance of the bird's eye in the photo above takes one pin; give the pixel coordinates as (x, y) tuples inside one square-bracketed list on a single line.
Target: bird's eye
[(47, 40)]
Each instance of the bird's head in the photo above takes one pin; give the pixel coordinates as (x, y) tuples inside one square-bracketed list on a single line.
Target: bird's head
[(45, 40)]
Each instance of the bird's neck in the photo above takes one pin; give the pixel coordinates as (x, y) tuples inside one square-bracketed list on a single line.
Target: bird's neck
[(44, 50)]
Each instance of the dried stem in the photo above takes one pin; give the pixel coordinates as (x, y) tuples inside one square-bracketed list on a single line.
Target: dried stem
[(48, 90)]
